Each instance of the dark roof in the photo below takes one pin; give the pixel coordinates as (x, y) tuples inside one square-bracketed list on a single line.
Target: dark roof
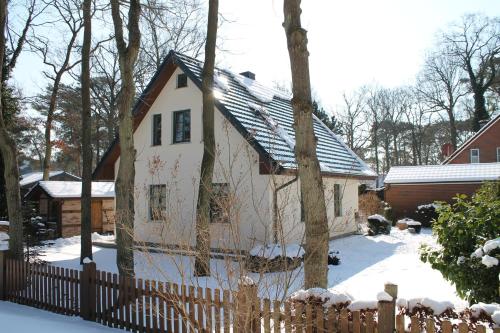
[(464, 145), (270, 130)]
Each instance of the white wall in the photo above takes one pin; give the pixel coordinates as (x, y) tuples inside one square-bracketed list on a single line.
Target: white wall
[(289, 207), (178, 166)]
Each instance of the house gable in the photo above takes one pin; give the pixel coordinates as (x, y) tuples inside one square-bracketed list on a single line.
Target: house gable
[(487, 140), (235, 104)]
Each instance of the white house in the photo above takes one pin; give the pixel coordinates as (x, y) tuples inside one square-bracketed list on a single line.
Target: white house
[(256, 192)]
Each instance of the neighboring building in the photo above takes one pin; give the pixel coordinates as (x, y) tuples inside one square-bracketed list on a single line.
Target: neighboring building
[(30, 179), (482, 147), (407, 187), (477, 160), (256, 195), (58, 203)]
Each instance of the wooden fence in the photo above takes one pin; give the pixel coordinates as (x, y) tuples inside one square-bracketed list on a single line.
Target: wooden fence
[(150, 306)]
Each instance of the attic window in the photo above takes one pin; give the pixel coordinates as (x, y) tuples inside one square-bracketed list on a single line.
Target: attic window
[(182, 80), (474, 155)]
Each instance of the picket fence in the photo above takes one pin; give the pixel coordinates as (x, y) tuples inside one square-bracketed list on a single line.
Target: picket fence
[(139, 305)]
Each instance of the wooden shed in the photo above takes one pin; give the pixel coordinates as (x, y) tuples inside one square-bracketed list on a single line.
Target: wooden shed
[(59, 204)]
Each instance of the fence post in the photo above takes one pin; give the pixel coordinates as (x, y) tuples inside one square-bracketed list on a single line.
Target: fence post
[(3, 276), (387, 310), (245, 301), (88, 292)]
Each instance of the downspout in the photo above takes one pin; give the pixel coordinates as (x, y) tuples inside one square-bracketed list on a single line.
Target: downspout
[(275, 207)]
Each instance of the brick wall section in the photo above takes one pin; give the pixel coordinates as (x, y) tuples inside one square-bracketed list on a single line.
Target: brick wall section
[(405, 198), (487, 144)]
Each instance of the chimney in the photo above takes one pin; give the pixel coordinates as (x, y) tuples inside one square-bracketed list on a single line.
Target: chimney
[(248, 74), (447, 150)]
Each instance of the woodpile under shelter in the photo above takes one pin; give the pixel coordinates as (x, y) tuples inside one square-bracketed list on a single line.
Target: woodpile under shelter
[(58, 203)]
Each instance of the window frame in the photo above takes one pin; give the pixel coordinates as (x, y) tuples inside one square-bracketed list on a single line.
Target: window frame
[(185, 83), (174, 127), (162, 204), (498, 154), (154, 130), (478, 156), (215, 191), (337, 200)]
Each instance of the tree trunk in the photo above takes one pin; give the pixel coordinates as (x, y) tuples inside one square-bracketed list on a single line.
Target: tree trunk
[(202, 262), (126, 169), (48, 127), (11, 171), (453, 128), (86, 214), (311, 182), (480, 113)]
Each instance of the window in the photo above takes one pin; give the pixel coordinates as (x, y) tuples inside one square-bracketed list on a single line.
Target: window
[(220, 203), (337, 200), (474, 155), (498, 154), (182, 126), (156, 132), (182, 80), (157, 201)]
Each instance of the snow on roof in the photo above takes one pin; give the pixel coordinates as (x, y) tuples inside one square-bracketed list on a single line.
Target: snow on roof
[(259, 91), (443, 173), (33, 177), (272, 131), (70, 189)]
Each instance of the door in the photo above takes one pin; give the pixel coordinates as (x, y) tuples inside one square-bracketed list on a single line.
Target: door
[(96, 216)]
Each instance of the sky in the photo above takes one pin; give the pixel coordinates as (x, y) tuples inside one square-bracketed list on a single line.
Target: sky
[(351, 43)]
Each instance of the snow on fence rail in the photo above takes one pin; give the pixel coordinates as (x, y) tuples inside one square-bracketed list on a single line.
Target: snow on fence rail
[(150, 306)]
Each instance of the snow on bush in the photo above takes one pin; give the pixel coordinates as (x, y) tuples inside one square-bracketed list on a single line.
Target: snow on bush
[(496, 317), (489, 261), (477, 254), (437, 307), (272, 251), (491, 245), (484, 308), (377, 217), (321, 296), (402, 303), (428, 206), (359, 305)]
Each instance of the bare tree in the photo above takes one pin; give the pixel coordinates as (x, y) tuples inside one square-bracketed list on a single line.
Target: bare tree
[(127, 55), (311, 182), (475, 43), (86, 198), (352, 120), (439, 87), (59, 60), (202, 263), (168, 25), (9, 155)]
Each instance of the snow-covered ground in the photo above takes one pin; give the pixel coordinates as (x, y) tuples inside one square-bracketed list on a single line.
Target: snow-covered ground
[(23, 319), (366, 264)]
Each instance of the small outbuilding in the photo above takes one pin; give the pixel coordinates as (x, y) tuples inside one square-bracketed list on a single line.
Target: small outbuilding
[(30, 179), (408, 187), (58, 203)]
